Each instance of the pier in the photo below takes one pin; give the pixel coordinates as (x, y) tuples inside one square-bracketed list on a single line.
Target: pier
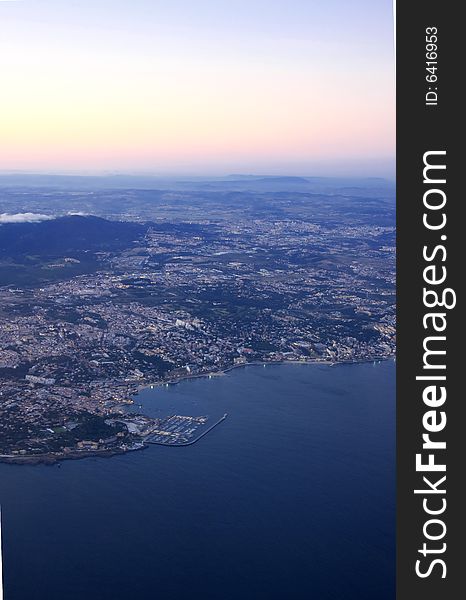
[(155, 439)]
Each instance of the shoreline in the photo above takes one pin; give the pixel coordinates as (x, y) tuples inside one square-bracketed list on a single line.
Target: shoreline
[(221, 372), (54, 459)]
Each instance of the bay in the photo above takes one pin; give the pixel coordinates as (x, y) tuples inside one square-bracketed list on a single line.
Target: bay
[(291, 497)]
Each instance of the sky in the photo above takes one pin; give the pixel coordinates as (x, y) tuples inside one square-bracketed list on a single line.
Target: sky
[(198, 87)]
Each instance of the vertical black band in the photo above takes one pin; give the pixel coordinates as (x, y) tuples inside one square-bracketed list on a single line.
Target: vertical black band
[(430, 125)]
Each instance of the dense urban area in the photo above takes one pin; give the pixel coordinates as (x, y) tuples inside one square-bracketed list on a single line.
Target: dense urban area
[(103, 291)]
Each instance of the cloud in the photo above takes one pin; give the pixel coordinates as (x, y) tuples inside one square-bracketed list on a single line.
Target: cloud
[(24, 218)]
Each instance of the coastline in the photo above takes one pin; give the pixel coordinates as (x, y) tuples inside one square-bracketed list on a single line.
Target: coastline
[(224, 371), (55, 458)]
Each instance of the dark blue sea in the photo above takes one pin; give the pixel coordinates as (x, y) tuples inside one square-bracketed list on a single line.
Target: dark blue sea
[(291, 497)]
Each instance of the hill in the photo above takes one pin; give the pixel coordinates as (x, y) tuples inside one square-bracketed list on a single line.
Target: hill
[(67, 235)]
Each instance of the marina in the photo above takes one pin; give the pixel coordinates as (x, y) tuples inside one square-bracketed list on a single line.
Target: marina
[(178, 430)]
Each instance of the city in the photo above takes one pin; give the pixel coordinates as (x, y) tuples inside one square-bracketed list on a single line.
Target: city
[(149, 296)]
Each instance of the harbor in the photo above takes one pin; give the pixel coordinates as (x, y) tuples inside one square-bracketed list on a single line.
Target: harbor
[(178, 430)]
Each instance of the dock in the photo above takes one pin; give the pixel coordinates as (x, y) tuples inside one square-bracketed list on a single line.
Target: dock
[(172, 438)]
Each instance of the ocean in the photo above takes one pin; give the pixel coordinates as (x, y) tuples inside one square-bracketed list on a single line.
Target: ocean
[(291, 497)]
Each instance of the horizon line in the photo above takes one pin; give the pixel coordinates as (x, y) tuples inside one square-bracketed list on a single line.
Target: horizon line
[(8, 173)]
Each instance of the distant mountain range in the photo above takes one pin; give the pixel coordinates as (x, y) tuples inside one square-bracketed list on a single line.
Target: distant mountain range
[(237, 182)]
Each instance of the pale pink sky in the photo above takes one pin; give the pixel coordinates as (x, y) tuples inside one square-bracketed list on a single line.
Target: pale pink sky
[(272, 87)]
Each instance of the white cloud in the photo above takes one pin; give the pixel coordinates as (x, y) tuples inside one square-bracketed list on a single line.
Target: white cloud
[(24, 218)]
